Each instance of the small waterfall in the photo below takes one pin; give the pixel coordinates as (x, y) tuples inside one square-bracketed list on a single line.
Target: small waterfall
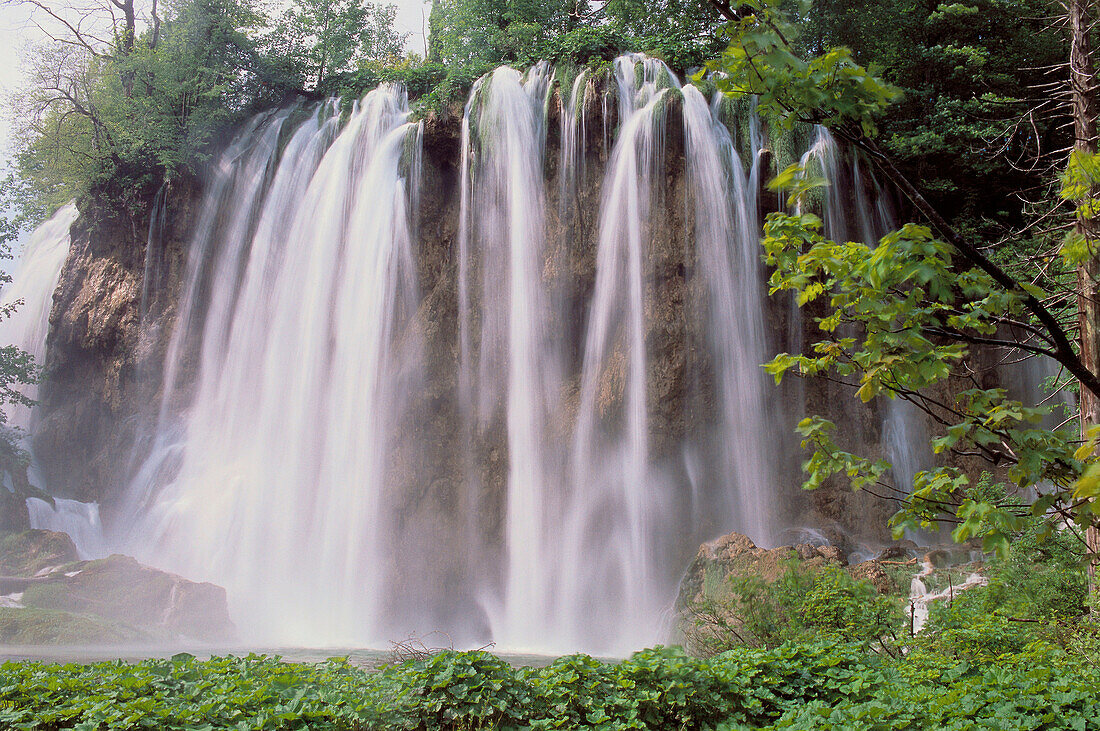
[(31, 295), (152, 273), (80, 520), (905, 442), (273, 484), (27, 299), (515, 375), (727, 244), (571, 156), (823, 158)]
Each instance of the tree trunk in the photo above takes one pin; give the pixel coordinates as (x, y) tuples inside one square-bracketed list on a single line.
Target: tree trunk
[(1083, 89)]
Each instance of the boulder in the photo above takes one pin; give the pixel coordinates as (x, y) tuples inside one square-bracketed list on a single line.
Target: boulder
[(872, 572), (736, 555), (51, 597), (123, 591), (32, 551)]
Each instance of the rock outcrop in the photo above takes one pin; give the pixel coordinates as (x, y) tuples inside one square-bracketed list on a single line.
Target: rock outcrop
[(105, 351), (735, 555), (49, 597)]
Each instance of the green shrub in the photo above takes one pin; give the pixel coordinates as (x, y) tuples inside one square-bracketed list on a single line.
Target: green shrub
[(801, 605)]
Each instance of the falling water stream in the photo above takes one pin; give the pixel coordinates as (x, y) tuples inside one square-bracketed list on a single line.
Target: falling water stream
[(28, 297)]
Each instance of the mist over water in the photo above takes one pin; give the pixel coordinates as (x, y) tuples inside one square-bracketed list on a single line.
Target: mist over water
[(293, 461)]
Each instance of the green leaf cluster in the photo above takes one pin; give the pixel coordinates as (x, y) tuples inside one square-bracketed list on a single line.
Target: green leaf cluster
[(829, 88), (898, 319), (815, 685)]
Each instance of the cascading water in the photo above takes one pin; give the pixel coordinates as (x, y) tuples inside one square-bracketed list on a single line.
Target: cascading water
[(274, 483), (587, 515), (153, 272), (28, 297), (515, 375), (727, 246), (79, 520), (606, 562)]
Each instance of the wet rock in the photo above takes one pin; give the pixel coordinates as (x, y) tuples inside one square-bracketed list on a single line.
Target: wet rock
[(736, 555), (123, 592), (30, 552), (872, 571), (939, 558), (894, 553)]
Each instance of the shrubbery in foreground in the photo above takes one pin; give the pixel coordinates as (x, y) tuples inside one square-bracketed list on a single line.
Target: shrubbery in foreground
[(807, 686)]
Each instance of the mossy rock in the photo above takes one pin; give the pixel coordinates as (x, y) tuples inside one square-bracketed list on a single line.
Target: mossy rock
[(121, 590), (28, 552), (735, 555), (49, 627)]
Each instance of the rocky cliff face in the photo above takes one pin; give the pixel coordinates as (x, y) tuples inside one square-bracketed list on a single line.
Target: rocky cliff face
[(104, 352)]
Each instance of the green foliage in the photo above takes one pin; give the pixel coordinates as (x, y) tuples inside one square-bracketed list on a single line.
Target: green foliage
[(190, 79), (914, 308), (1037, 592), (200, 72), (324, 37), (830, 88), (17, 371), (974, 124), (801, 605), (567, 31), (497, 31), (819, 685), (1080, 186)]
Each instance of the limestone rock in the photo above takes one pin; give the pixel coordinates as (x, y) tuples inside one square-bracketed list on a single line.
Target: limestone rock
[(872, 571), (123, 591), (29, 552), (736, 555)]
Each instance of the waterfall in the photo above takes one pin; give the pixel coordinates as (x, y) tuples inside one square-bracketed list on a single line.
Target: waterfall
[(273, 483), (530, 470), (516, 373), (607, 584), (27, 299), (79, 520), (152, 273), (727, 244)]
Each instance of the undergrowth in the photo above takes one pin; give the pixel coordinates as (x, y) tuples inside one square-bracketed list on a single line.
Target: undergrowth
[(819, 685)]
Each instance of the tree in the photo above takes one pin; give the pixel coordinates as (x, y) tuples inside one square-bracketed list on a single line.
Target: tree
[(498, 31), (901, 315), (189, 71), (17, 369), (333, 36)]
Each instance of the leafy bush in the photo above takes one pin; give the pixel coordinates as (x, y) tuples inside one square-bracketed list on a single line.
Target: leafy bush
[(801, 605)]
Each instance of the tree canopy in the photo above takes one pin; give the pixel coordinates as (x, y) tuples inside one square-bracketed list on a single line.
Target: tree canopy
[(189, 70), (902, 314)]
